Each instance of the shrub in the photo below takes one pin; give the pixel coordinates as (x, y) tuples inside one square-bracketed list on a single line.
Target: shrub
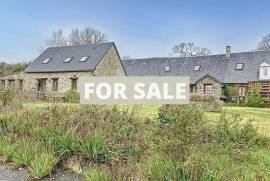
[(94, 146), (232, 131), (95, 174), (24, 152), (254, 99), (66, 142), (230, 92), (72, 96), (7, 97), (42, 163), (7, 148)]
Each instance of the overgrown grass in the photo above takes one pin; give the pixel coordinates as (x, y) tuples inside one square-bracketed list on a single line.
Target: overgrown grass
[(141, 143)]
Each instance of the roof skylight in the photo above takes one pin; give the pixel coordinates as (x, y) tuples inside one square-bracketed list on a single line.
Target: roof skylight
[(166, 68), (197, 68), (239, 66), (67, 60), (46, 60), (83, 59)]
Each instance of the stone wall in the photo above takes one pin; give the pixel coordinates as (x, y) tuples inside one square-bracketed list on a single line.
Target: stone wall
[(110, 65), (217, 87)]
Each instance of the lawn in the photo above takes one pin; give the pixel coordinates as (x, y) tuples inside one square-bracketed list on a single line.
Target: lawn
[(261, 116)]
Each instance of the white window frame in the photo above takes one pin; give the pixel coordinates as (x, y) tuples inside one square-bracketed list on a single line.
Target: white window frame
[(67, 60), (84, 59), (166, 68), (239, 68), (46, 60), (197, 68)]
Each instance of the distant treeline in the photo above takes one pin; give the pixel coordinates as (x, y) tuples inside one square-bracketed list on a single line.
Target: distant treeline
[(6, 68)]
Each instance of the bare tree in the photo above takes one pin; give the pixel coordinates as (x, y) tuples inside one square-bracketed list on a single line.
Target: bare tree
[(86, 36), (264, 44), (57, 39), (189, 50), (126, 57)]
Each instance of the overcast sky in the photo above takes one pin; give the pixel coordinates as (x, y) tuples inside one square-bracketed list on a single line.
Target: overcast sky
[(140, 28)]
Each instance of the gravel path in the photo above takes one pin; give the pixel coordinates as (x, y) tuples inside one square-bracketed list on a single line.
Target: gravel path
[(7, 173)]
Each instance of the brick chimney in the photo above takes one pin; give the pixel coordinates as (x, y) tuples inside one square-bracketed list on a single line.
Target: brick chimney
[(228, 52)]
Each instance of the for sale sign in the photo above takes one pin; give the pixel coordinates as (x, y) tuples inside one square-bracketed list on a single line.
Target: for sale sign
[(134, 90)]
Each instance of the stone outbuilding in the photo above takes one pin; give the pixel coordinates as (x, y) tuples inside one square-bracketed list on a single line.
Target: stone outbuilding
[(59, 69)]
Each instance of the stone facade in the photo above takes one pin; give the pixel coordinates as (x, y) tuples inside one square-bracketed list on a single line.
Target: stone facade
[(110, 65), (201, 86)]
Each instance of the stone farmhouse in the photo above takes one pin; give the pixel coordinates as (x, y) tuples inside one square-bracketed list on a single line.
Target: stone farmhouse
[(58, 70), (209, 74)]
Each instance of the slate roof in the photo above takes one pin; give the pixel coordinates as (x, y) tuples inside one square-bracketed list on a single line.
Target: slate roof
[(216, 66), (58, 54)]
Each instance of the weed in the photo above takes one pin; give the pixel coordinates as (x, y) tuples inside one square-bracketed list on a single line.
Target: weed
[(95, 174), (42, 163)]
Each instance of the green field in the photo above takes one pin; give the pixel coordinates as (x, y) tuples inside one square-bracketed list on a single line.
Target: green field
[(261, 116)]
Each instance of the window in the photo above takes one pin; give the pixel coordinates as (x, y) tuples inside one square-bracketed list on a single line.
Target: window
[(83, 59), (2, 86), (46, 61), (197, 68), (239, 66), (55, 84), (166, 68), (208, 88), (20, 84), (74, 83), (41, 85), (265, 71), (67, 60), (242, 91), (11, 83)]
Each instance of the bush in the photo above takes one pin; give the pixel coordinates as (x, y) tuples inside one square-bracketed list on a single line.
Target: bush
[(7, 97), (254, 99), (179, 128), (233, 132), (72, 96)]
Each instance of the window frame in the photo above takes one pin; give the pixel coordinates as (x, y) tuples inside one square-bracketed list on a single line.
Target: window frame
[(2, 84), (74, 86), (11, 83), (84, 59), (242, 68), (167, 68), (46, 61), (207, 88), (242, 91), (67, 60), (20, 81), (197, 70), (55, 84)]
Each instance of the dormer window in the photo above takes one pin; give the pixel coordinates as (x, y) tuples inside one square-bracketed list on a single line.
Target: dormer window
[(46, 61), (67, 60), (83, 59), (166, 68), (197, 68), (264, 71), (239, 66)]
